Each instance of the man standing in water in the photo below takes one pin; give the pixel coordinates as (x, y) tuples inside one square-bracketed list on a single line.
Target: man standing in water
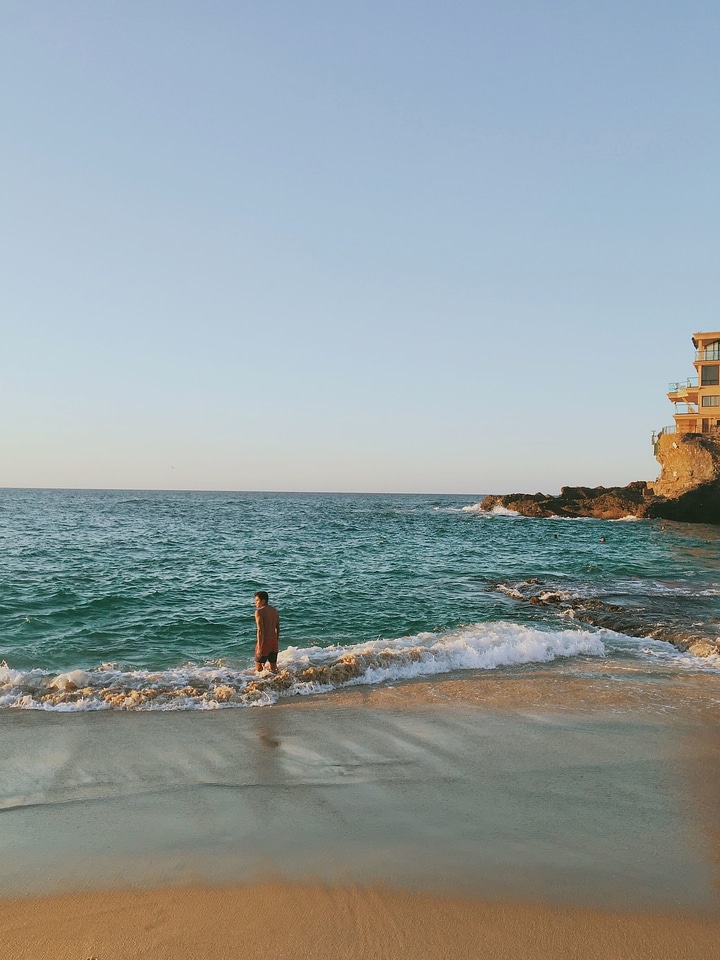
[(267, 620)]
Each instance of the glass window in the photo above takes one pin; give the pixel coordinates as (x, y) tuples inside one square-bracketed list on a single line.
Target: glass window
[(711, 351), (712, 401), (710, 375)]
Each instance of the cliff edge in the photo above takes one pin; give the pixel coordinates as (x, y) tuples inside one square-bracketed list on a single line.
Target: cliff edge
[(688, 489)]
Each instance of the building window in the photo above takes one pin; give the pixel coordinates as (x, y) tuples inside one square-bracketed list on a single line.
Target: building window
[(712, 401), (710, 376), (711, 351)]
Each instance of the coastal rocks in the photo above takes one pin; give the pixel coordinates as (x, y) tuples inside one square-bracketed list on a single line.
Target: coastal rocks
[(687, 461), (604, 503), (687, 490), (698, 505), (665, 619)]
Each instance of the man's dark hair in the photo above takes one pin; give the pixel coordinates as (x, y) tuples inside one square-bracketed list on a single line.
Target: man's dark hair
[(262, 595)]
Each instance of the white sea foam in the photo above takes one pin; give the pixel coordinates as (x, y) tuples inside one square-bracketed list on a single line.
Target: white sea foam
[(71, 680), (307, 670), (663, 587), (8, 676), (662, 651), (556, 516), (496, 511)]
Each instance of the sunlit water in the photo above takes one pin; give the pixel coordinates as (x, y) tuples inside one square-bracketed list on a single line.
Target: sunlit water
[(144, 600)]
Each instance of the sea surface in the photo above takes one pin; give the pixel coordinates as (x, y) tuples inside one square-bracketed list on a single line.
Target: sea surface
[(143, 601)]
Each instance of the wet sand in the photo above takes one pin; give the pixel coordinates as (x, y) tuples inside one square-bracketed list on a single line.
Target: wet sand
[(537, 813)]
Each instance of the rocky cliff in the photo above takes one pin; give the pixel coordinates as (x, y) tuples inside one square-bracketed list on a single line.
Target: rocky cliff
[(687, 461), (688, 489)]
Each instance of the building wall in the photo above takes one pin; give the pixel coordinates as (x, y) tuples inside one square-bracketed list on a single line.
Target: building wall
[(706, 395), (707, 364)]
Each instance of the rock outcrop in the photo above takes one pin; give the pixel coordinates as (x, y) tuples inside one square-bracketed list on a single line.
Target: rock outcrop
[(688, 489), (661, 619), (605, 503)]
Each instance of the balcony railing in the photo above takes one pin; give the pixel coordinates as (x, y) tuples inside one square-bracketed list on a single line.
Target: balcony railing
[(685, 408), (670, 429), (709, 353), (681, 385)]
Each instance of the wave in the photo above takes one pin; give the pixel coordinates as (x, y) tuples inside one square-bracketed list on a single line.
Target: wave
[(500, 511), (302, 671), (494, 512), (659, 618)]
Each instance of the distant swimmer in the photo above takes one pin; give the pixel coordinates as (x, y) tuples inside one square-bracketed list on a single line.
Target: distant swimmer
[(267, 621), (602, 539)]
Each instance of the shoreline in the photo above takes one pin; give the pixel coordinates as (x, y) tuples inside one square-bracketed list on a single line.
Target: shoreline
[(537, 812)]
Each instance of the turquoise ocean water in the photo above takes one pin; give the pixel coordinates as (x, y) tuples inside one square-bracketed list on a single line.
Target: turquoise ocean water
[(144, 600)]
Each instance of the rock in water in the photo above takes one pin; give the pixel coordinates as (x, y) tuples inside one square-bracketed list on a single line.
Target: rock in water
[(688, 489), (605, 503)]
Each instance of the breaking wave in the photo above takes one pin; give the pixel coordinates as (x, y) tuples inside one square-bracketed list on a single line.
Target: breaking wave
[(309, 670), (496, 511), (669, 613)]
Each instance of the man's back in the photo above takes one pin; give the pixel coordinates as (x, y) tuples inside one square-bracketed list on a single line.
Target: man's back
[(268, 630)]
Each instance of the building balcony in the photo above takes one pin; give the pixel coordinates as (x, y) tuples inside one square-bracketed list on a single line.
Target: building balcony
[(681, 385), (685, 391), (709, 353)]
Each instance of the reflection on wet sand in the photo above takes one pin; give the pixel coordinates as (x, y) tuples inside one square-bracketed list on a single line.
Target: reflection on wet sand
[(405, 786)]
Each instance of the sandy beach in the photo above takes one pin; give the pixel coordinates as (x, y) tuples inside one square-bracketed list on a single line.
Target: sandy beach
[(292, 921), (543, 815)]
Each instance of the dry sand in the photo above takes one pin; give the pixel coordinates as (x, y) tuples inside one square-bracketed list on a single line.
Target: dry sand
[(275, 922), (652, 750)]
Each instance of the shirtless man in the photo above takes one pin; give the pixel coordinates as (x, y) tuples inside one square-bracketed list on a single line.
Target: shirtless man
[(267, 620)]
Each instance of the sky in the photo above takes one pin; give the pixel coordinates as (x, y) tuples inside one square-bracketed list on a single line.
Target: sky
[(429, 246)]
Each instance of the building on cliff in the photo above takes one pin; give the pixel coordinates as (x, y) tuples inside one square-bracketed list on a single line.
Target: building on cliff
[(689, 450), (697, 399)]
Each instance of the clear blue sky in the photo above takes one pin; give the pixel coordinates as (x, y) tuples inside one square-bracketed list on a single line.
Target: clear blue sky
[(384, 246)]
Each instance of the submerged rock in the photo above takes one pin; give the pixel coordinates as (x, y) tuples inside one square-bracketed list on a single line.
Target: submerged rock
[(664, 618)]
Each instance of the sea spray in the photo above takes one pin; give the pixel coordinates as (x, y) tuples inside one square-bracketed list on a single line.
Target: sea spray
[(302, 671)]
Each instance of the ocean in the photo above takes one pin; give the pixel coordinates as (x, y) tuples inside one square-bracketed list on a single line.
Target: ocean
[(129, 600), (139, 747)]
